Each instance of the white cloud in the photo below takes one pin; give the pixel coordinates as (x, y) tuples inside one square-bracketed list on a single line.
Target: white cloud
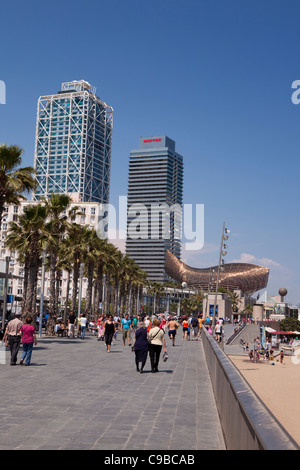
[(194, 257), (248, 258)]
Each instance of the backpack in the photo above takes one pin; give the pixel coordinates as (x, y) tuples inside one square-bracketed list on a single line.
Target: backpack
[(195, 322)]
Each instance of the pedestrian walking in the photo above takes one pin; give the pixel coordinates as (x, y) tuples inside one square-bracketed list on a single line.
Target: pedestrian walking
[(134, 323), (157, 340), (12, 338), (71, 325), (195, 326), (172, 330), (28, 339), (218, 331), (117, 323), (281, 357), (83, 323), (126, 329), (185, 326), (141, 347), (109, 329)]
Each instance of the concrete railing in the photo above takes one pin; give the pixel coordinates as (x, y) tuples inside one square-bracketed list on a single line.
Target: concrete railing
[(246, 422)]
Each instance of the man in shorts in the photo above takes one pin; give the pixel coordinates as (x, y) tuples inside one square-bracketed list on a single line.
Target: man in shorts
[(71, 325), (172, 327), (126, 329)]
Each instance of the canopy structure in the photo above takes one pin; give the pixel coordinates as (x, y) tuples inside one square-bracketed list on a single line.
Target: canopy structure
[(269, 330)]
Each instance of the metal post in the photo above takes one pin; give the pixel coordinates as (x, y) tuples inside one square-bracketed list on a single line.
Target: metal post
[(178, 304), (7, 260), (103, 293), (218, 277), (80, 289), (42, 294)]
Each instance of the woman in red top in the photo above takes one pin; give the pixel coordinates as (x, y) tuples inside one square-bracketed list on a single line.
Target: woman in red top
[(185, 325), (28, 338)]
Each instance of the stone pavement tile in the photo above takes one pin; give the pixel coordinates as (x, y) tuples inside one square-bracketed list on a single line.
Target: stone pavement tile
[(46, 447), (111, 441), (85, 403)]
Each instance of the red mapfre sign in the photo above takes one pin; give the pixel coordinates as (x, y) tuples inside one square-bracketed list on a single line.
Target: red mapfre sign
[(151, 140)]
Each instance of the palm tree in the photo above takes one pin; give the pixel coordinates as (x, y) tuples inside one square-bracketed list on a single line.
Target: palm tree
[(157, 289), (248, 310), (94, 249), (31, 227), (235, 301), (102, 255), (56, 207), (75, 248), (139, 282), (114, 270), (127, 275), (13, 180)]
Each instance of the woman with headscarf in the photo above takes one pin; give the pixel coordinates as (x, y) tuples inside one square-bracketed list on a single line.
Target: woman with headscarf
[(141, 347)]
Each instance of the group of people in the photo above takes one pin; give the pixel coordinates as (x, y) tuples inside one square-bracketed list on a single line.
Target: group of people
[(143, 334), (152, 341), (17, 332), (75, 325), (256, 354), (191, 325)]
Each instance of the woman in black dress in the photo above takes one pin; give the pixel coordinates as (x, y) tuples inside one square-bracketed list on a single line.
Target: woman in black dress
[(141, 347), (109, 330)]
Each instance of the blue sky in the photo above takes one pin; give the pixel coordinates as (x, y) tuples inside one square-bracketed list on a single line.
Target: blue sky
[(214, 75)]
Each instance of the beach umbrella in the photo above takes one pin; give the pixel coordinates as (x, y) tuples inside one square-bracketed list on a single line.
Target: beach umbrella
[(263, 337)]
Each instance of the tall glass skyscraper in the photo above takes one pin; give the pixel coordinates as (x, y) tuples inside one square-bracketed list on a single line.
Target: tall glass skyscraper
[(73, 144), (154, 213)]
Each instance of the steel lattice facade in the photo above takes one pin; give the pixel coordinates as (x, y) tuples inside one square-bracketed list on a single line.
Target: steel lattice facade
[(73, 144)]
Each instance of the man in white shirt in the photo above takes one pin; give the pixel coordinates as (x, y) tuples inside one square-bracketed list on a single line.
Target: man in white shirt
[(12, 337), (83, 323)]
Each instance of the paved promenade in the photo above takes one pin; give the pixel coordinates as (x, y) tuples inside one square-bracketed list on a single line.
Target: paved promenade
[(75, 395)]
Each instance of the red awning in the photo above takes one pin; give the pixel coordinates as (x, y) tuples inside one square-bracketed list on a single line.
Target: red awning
[(282, 333)]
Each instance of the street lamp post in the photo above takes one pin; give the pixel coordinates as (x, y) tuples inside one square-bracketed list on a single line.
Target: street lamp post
[(183, 286), (222, 253)]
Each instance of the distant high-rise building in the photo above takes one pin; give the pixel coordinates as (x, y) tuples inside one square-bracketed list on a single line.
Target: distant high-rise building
[(154, 214), (73, 144)]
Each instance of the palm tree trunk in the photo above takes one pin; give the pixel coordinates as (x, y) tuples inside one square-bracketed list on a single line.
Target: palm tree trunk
[(67, 298), (89, 291), (98, 288), (52, 283), (25, 283), (57, 289), (76, 269)]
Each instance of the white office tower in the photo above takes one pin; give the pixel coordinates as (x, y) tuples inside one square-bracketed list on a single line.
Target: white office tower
[(73, 144)]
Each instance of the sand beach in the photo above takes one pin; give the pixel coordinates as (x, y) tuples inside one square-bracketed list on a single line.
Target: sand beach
[(278, 386)]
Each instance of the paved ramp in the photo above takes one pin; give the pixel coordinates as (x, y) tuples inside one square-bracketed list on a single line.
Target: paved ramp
[(77, 396)]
